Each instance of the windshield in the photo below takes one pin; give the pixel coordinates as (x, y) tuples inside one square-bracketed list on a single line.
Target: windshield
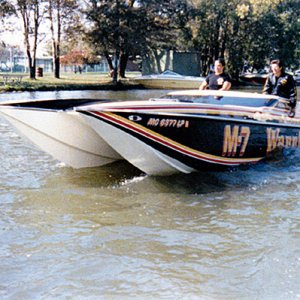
[(225, 100)]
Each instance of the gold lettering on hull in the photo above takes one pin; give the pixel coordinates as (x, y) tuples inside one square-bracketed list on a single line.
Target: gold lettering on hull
[(235, 140), (277, 140)]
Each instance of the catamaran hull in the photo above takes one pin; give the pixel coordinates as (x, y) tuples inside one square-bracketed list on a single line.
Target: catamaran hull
[(183, 132), (163, 144), (135, 151), (62, 135)]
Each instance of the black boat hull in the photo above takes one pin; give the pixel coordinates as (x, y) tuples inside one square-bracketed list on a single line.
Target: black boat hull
[(203, 142)]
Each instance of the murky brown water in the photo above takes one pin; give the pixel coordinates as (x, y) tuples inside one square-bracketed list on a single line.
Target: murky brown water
[(115, 233)]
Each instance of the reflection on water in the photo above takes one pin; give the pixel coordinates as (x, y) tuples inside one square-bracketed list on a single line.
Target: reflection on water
[(117, 95), (116, 233)]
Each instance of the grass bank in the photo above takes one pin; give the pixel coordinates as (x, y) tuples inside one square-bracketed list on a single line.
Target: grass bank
[(67, 81)]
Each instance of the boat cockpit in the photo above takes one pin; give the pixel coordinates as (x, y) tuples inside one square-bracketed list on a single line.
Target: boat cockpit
[(229, 98)]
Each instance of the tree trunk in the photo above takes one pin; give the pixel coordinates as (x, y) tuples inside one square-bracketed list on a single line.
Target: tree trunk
[(158, 57), (110, 63), (32, 68), (57, 67), (26, 12), (29, 58), (35, 36), (116, 62), (168, 61), (123, 64), (31, 63), (55, 40)]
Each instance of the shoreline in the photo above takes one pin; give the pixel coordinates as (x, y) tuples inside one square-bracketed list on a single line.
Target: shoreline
[(69, 82), (120, 86), (112, 87)]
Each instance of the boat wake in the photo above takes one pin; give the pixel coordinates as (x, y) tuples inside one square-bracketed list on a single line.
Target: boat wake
[(265, 175)]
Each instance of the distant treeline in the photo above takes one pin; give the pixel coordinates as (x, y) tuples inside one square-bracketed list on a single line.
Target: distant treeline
[(244, 32)]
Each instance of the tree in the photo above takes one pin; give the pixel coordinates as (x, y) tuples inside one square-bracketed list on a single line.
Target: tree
[(60, 12), (244, 30), (129, 28), (31, 13), (7, 53), (78, 58), (269, 29), (6, 9), (109, 32), (239, 30)]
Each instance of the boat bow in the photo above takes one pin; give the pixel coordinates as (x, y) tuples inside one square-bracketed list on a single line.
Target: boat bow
[(193, 130)]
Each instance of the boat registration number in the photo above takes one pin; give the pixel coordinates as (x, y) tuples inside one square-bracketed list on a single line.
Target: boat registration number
[(156, 122)]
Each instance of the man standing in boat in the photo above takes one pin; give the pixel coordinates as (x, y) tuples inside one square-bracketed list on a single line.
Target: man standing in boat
[(281, 84), (218, 80)]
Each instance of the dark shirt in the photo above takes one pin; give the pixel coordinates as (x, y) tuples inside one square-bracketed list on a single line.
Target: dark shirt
[(215, 82), (282, 86)]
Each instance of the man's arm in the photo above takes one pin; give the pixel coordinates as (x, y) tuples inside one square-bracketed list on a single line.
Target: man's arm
[(267, 87), (292, 91), (226, 86), (203, 85)]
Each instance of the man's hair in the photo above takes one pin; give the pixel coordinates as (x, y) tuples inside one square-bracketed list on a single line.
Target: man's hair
[(277, 62), (221, 61)]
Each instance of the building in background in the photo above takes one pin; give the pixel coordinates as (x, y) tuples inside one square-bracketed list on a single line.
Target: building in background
[(184, 63)]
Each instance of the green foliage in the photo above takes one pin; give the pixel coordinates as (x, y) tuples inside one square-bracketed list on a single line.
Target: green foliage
[(249, 31), (123, 26), (6, 9), (132, 28), (252, 31)]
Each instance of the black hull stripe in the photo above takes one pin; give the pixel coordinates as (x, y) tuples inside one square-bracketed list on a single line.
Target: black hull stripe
[(123, 122), (276, 114)]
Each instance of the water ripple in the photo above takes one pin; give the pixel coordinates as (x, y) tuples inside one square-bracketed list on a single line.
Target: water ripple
[(116, 233)]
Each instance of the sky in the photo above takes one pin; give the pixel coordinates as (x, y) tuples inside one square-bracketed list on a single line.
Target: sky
[(12, 38), (12, 35)]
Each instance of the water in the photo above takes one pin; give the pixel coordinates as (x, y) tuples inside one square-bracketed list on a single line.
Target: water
[(115, 233)]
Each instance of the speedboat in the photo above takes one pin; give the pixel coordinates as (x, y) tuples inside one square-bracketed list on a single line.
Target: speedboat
[(54, 127), (169, 80), (188, 131), (257, 78)]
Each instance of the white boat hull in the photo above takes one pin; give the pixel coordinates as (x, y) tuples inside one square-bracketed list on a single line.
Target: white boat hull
[(139, 154), (62, 135), (169, 80), (169, 83)]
